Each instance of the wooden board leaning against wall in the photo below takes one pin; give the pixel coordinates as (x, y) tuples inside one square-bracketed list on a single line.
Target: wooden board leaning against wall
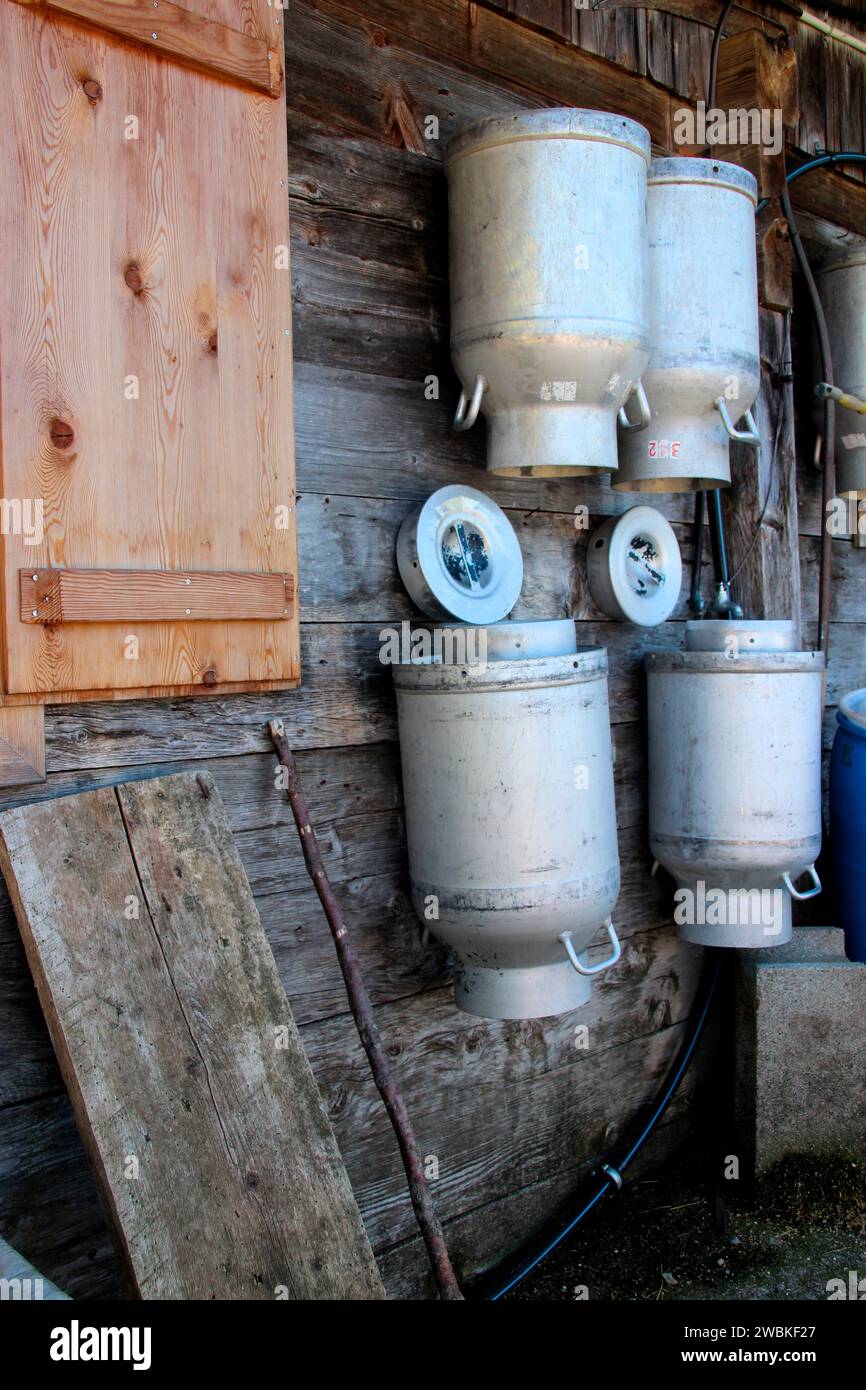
[(515, 1113)]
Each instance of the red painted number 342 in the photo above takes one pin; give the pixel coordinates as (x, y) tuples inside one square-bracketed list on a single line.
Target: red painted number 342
[(664, 448)]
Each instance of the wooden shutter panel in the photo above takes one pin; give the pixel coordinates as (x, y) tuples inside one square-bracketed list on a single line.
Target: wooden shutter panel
[(145, 350)]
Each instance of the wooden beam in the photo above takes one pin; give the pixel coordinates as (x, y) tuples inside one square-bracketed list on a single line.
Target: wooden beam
[(758, 76), (769, 16), (828, 194), (761, 506), (175, 32), (486, 41), (152, 596), (191, 1088), (775, 258), (22, 745)]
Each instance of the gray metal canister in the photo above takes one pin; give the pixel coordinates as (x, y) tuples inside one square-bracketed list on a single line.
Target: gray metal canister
[(704, 367), (735, 778), (842, 287), (547, 220), (510, 816)]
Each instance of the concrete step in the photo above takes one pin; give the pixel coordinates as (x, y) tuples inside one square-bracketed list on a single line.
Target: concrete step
[(800, 1049)]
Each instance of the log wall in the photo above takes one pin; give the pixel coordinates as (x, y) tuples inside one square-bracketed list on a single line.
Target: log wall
[(513, 1112)]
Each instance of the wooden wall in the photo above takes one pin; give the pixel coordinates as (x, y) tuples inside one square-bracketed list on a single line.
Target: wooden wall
[(514, 1112)]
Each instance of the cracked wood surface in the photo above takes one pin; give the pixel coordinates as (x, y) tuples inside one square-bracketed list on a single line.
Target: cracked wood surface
[(216, 1160)]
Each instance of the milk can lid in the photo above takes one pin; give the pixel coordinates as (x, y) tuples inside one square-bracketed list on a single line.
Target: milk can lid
[(458, 556)]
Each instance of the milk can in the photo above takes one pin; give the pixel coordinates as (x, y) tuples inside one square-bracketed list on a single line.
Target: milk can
[(510, 817), (842, 288), (735, 778), (548, 301), (704, 369)]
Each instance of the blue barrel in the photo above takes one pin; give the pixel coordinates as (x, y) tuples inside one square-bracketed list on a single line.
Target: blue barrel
[(848, 821)]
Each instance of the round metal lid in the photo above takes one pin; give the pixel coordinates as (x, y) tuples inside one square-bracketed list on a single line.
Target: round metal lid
[(459, 557), (634, 567), (680, 169), (852, 708), (743, 635), (563, 122)]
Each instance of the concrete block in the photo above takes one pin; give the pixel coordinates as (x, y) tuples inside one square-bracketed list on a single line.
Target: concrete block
[(801, 1049)]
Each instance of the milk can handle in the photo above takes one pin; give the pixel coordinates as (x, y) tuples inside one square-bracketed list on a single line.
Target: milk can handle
[(810, 892), (464, 419), (749, 436), (644, 412), (565, 938)]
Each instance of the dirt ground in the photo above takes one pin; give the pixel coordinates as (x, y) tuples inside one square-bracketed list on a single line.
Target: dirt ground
[(686, 1233)]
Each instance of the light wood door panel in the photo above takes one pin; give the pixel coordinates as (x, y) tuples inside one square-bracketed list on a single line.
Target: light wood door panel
[(145, 347)]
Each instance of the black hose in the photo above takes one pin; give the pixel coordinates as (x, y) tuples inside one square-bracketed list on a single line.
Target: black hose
[(529, 1261), (714, 52)]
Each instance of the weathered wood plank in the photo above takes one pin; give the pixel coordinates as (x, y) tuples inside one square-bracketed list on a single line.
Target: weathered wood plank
[(761, 507), (491, 1136), (491, 45), (363, 435), (184, 1066), (152, 596), (347, 699), (848, 594), (349, 570), (22, 745), (364, 80), (180, 33), (847, 668), (48, 1200), (518, 1217)]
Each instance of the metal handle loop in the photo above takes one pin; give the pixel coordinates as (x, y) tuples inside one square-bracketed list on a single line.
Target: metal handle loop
[(565, 938), (810, 892), (748, 436), (464, 419), (644, 412)]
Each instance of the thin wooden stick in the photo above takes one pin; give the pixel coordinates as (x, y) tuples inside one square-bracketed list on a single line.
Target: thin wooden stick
[(362, 1012)]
